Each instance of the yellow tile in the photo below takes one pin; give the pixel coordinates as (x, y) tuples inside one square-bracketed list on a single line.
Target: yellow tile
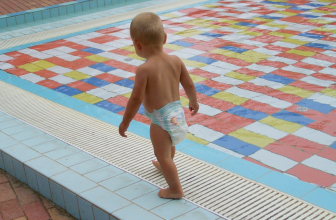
[(227, 21), (329, 92), (230, 98), (127, 95), (193, 63), (173, 47), (286, 13), (320, 11), (301, 52), (184, 101), (282, 26), (88, 98), (325, 30), (197, 79), (280, 124), (319, 21), (279, 34), (77, 75), (281, 6), (294, 41), (30, 67), (249, 59), (168, 15), (196, 139), (330, 6), (296, 91), (239, 27), (225, 53), (97, 58), (252, 53), (135, 56), (189, 32), (251, 33), (279, 0), (251, 137), (43, 64), (239, 76), (213, 26), (197, 21), (262, 19), (210, 6), (129, 48), (327, 1)]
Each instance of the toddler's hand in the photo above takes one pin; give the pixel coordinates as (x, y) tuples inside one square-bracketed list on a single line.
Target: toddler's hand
[(122, 129), (193, 107)]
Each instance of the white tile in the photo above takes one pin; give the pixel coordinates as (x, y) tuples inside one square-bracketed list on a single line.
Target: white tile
[(265, 27), (226, 65), (5, 58), (316, 81), (228, 80), (273, 160), (329, 71), (242, 92), (5, 66), (59, 69), (266, 51), (265, 69), (284, 44), (202, 37), (265, 82), (329, 53), (28, 51), (53, 52), (90, 71), (41, 55), (315, 136), (266, 130), (119, 34), (254, 43), (120, 90), (113, 56), (192, 51), (281, 59), (68, 57), (204, 132), (101, 93), (121, 73), (298, 70), (208, 110), (321, 163), (214, 69), (62, 79), (65, 49), (182, 55), (317, 62), (277, 103), (32, 77), (225, 150), (317, 97)]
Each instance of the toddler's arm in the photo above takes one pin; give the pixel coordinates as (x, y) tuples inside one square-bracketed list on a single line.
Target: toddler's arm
[(189, 88), (135, 100)]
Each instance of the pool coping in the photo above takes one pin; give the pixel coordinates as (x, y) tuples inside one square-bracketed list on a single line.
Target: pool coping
[(282, 182)]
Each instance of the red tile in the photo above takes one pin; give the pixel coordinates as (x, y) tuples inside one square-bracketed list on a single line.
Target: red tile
[(74, 45), (289, 31), (326, 128), (216, 85), (119, 100), (203, 47), (266, 38), (325, 57), (312, 175), (17, 61), (328, 153), (166, 50), (307, 86), (109, 77), (194, 119), (45, 73), (291, 56), (109, 30), (272, 63), (285, 96), (320, 32), (234, 119), (26, 195), (10, 210), (277, 48), (217, 103), (324, 76), (312, 49), (121, 65), (288, 151), (258, 106), (14, 54), (302, 144), (259, 163), (49, 84), (28, 59), (295, 19), (17, 71), (308, 66), (250, 72), (104, 39), (141, 118), (328, 38), (121, 52), (6, 192), (289, 74), (80, 53), (219, 125), (333, 113), (39, 48), (255, 88), (57, 61), (83, 86), (35, 211), (203, 73), (79, 63)]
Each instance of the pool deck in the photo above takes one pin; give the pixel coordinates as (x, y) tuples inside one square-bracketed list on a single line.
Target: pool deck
[(264, 72)]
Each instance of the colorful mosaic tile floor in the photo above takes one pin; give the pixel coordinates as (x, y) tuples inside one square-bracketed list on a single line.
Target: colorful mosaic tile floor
[(264, 71)]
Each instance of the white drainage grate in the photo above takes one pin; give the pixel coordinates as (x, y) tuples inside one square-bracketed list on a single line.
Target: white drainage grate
[(224, 193)]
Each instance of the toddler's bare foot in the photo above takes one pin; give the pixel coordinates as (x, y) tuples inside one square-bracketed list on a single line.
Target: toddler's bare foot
[(169, 194), (157, 165)]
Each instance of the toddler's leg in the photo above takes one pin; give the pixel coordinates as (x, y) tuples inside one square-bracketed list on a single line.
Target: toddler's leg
[(157, 164), (163, 152)]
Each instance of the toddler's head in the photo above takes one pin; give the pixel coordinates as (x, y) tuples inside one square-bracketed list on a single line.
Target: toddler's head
[(147, 29)]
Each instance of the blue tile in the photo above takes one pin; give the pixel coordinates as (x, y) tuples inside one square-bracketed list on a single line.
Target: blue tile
[(4, 118), (206, 90), (277, 78), (92, 50), (150, 200), (233, 49), (185, 143), (108, 2), (93, 4), (119, 181), (43, 185), (4, 75), (333, 145), (182, 43), (57, 194), (293, 117), (103, 173), (70, 9), (205, 153), (96, 82), (31, 178), (102, 67), (20, 19), (91, 110), (179, 206), (2, 165), (316, 5), (67, 90), (315, 36), (15, 81), (246, 24), (8, 164), (286, 184), (11, 21), (198, 214), (110, 106), (105, 199), (135, 212), (100, 3), (78, 7), (70, 102), (33, 88), (71, 204), (307, 16), (323, 108), (3, 23), (27, 134), (76, 158), (10, 123), (22, 153), (88, 166), (73, 181), (247, 113), (244, 168), (125, 82), (54, 12), (46, 166), (323, 198), (139, 128), (111, 118), (38, 140), (208, 34), (37, 16), (20, 173), (99, 214), (297, 8), (270, 17), (50, 146), (321, 46), (85, 209), (236, 145), (202, 59), (62, 10), (136, 190), (50, 94), (46, 14), (62, 152), (7, 141)]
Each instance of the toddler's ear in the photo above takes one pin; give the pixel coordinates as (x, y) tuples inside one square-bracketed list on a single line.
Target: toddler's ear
[(165, 38), (137, 44)]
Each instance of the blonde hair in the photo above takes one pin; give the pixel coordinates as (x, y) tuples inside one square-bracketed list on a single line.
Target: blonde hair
[(147, 28)]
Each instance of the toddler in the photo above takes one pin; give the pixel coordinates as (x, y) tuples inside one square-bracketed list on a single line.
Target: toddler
[(157, 88)]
